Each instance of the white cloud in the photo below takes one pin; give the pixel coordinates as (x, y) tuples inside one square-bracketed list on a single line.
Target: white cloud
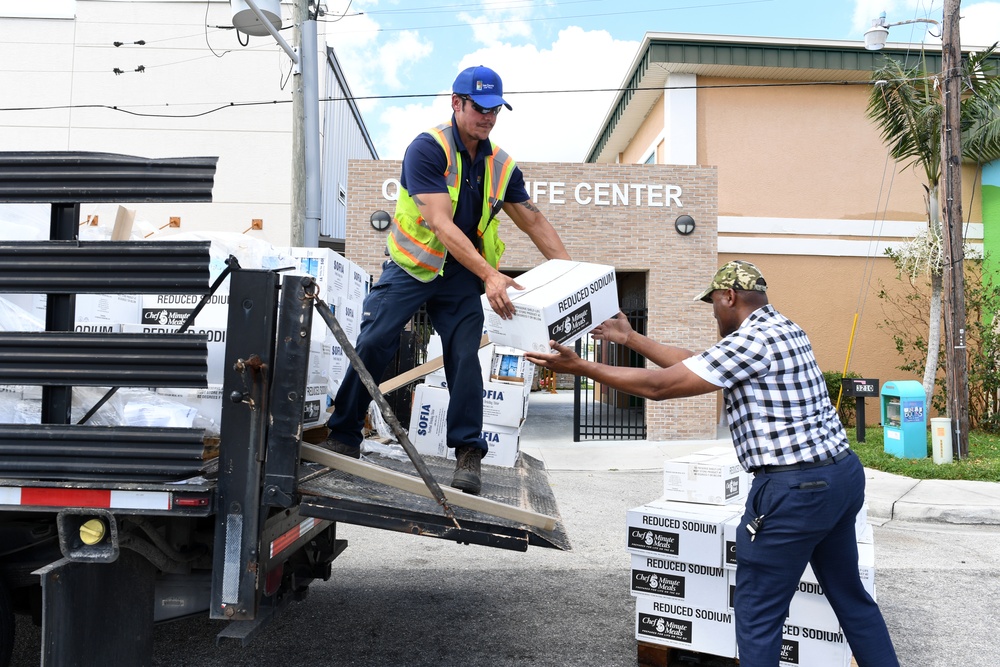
[(398, 54), (980, 24), (545, 125), (371, 60), (499, 21)]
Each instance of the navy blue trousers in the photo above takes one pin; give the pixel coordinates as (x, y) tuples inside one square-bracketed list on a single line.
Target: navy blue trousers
[(457, 315), (802, 526)]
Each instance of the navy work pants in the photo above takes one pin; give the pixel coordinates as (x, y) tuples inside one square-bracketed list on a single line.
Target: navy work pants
[(805, 525), (457, 315)]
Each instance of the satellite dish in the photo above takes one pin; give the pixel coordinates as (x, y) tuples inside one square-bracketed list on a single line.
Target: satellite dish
[(247, 22)]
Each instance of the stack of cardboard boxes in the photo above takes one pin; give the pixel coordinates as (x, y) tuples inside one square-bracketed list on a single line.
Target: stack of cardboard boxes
[(683, 551), (507, 379), (561, 301), (342, 285)]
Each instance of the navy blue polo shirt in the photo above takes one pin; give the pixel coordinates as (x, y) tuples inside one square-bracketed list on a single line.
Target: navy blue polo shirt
[(424, 166)]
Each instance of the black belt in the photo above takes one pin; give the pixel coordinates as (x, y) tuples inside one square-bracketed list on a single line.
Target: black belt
[(803, 466)]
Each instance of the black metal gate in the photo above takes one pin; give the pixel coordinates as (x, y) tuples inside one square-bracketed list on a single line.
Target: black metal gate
[(411, 353), (600, 412)]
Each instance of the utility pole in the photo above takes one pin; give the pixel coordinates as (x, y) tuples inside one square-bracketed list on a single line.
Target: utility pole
[(306, 197), (306, 188), (300, 14), (956, 361)]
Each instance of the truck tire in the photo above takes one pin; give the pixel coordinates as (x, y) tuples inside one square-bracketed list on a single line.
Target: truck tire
[(6, 626)]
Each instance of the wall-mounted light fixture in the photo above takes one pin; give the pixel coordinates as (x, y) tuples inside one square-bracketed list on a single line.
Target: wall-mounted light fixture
[(684, 224), (380, 220)]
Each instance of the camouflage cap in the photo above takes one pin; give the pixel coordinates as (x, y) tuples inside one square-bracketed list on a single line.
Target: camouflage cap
[(738, 275)]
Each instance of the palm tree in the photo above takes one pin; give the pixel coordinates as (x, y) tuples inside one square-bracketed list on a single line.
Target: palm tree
[(906, 105)]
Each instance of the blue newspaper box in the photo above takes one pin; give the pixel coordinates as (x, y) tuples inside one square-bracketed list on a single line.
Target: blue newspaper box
[(904, 419)]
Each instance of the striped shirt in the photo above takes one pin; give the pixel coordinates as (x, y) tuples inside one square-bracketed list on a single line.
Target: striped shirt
[(776, 399)]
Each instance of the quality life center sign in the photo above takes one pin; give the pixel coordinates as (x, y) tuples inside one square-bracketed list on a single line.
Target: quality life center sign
[(583, 193)]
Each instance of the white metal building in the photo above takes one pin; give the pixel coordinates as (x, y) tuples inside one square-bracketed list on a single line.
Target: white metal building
[(172, 78)]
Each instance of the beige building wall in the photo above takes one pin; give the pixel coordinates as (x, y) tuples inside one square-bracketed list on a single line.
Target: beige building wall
[(634, 237), (648, 135), (802, 158)]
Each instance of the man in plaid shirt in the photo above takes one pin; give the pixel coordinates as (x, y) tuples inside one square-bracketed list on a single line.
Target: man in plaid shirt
[(808, 485)]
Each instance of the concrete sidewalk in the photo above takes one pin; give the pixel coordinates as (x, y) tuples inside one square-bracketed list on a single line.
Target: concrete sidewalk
[(548, 435)]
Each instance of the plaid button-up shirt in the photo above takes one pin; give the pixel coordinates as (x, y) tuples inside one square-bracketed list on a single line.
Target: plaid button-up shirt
[(776, 399)]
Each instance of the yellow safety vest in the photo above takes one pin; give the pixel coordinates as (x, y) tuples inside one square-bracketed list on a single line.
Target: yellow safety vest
[(412, 244)]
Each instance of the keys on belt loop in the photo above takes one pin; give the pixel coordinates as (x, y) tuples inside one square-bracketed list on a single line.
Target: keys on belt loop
[(755, 527)]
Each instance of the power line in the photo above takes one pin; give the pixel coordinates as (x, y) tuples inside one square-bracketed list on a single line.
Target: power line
[(358, 98), (572, 16)]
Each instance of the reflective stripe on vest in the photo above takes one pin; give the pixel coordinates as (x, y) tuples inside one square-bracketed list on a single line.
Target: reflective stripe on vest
[(412, 244)]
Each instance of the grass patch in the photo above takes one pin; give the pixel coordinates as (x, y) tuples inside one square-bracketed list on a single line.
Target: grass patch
[(983, 463)]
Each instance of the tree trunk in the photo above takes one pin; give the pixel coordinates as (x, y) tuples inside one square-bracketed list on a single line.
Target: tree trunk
[(933, 335), (937, 289)]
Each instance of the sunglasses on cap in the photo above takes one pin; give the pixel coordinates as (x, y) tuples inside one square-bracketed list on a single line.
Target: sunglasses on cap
[(483, 110)]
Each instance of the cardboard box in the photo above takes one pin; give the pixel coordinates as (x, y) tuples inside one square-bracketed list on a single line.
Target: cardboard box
[(90, 308), (709, 479), (173, 310), (729, 542), (216, 344), (206, 401), (698, 585), (314, 408), (686, 532), (342, 285), (670, 623), (561, 301), (503, 404), (429, 429), (504, 443), (866, 568), (809, 605), (435, 350), (98, 327), (863, 530), (508, 364), (805, 646)]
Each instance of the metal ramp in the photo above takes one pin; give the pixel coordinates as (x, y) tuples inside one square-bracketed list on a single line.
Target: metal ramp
[(339, 496)]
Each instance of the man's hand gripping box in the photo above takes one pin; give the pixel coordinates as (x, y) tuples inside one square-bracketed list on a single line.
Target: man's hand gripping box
[(561, 301)]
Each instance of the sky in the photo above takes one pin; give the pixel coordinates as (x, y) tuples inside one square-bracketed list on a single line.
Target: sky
[(400, 57)]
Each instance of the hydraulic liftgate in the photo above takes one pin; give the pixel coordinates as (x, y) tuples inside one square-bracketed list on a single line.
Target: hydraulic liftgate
[(264, 393)]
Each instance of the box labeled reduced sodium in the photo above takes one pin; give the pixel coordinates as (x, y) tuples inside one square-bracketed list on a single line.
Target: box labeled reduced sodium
[(699, 585), (805, 646), (671, 623), (561, 301), (679, 531)]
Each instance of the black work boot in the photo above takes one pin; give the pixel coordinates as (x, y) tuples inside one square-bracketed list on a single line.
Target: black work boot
[(467, 470), (339, 447)]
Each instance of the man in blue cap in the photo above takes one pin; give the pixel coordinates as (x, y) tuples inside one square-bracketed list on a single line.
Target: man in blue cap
[(445, 251)]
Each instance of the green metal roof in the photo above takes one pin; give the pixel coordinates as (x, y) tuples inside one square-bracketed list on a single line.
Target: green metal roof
[(746, 57)]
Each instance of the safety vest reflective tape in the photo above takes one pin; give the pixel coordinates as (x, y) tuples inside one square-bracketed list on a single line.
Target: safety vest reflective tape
[(412, 244)]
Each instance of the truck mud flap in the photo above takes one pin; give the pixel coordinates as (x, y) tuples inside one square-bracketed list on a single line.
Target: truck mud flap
[(339, 496)]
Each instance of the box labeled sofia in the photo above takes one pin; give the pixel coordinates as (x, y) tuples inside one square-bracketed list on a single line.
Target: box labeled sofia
[(561, 301)]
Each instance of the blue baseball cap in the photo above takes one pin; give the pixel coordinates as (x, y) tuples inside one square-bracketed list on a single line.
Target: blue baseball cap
[(483, 85)]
